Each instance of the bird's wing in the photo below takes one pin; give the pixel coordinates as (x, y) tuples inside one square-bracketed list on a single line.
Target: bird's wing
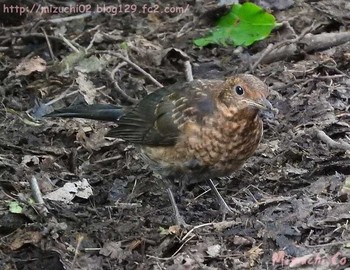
[(158, 118)]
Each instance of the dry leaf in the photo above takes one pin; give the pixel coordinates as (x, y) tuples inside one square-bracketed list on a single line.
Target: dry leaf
[(30, 65), (86, 88), (114, 251), (214, 251), (69, 191), (22, 238)]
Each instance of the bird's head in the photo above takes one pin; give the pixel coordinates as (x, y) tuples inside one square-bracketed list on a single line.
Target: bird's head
[(245, 92)]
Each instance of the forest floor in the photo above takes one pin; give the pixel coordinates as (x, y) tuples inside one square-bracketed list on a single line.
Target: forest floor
[(104, 209)]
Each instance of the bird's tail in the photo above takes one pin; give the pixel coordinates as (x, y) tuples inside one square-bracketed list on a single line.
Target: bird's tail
[(104, 112)]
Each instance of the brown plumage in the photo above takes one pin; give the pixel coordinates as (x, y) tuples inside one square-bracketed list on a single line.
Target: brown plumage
[(199, 129)]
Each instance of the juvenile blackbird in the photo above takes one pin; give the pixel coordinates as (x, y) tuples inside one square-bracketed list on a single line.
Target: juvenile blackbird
[(196, 130)]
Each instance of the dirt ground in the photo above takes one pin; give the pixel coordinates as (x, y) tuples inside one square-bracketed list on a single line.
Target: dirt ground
[(104, 209)]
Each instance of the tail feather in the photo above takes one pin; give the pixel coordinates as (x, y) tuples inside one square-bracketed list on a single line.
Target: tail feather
[(104, 112)]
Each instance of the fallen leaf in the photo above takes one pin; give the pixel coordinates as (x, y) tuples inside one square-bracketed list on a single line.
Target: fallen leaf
[(30, 159), (69, 191), (30, 65), (22, 238), (214, 251), (15, 207), (86, 88), (114, 251)]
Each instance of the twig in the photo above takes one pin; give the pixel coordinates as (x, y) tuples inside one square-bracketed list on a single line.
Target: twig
[(174, 254), (39, 35), (38, 198), (271, 47), (127, 205), (327, 244), (183, 244), (343, 115), (109, 159), (289, 27), (69, 43), (56, 20), (188, 71), (48, 44), (134, 187), (329, 77), (70, 18), (104, 94), (200, 195), (91, 249), (187, 27), (267, 51), (85, 32), (62, 96), (330, 142), (149, 76), (185, 59), (309, 43), (80, 239), (116, 85), (117, 68), (195, 228), (92, 41), (12, 48)]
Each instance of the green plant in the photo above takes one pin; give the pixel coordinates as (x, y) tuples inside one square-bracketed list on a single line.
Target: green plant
[(242, 26)]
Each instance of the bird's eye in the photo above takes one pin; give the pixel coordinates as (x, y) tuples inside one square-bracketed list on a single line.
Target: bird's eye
[(239, 90)]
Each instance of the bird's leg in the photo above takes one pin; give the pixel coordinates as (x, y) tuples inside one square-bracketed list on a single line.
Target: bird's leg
[(178, 218), (224, 208), (167, 184)]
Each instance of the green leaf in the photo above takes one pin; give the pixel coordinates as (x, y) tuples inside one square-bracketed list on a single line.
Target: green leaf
[(15, 208), (163, 231), (242, 26)]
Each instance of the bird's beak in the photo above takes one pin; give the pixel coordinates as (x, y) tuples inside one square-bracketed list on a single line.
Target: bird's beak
[(267, 112), (263, 104)]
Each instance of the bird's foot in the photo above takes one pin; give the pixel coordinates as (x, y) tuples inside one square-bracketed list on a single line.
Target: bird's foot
[(224, 207), (180, 221), (178, 217)]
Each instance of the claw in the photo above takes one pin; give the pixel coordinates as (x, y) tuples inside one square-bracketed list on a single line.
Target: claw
[(178, 217), (224, 208)]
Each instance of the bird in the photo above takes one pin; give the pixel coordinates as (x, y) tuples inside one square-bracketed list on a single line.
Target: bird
[(196, 131)]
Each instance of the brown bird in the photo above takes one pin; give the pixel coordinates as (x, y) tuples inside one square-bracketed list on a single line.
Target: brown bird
[(196, 130)]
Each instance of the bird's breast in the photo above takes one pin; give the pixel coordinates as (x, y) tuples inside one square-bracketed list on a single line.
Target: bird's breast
[(215, 148), (224, 142)]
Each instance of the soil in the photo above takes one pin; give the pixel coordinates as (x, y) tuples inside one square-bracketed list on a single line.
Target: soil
[(102, 206)]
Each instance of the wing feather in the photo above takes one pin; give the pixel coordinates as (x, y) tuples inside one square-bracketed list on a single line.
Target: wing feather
[(158, 118)]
